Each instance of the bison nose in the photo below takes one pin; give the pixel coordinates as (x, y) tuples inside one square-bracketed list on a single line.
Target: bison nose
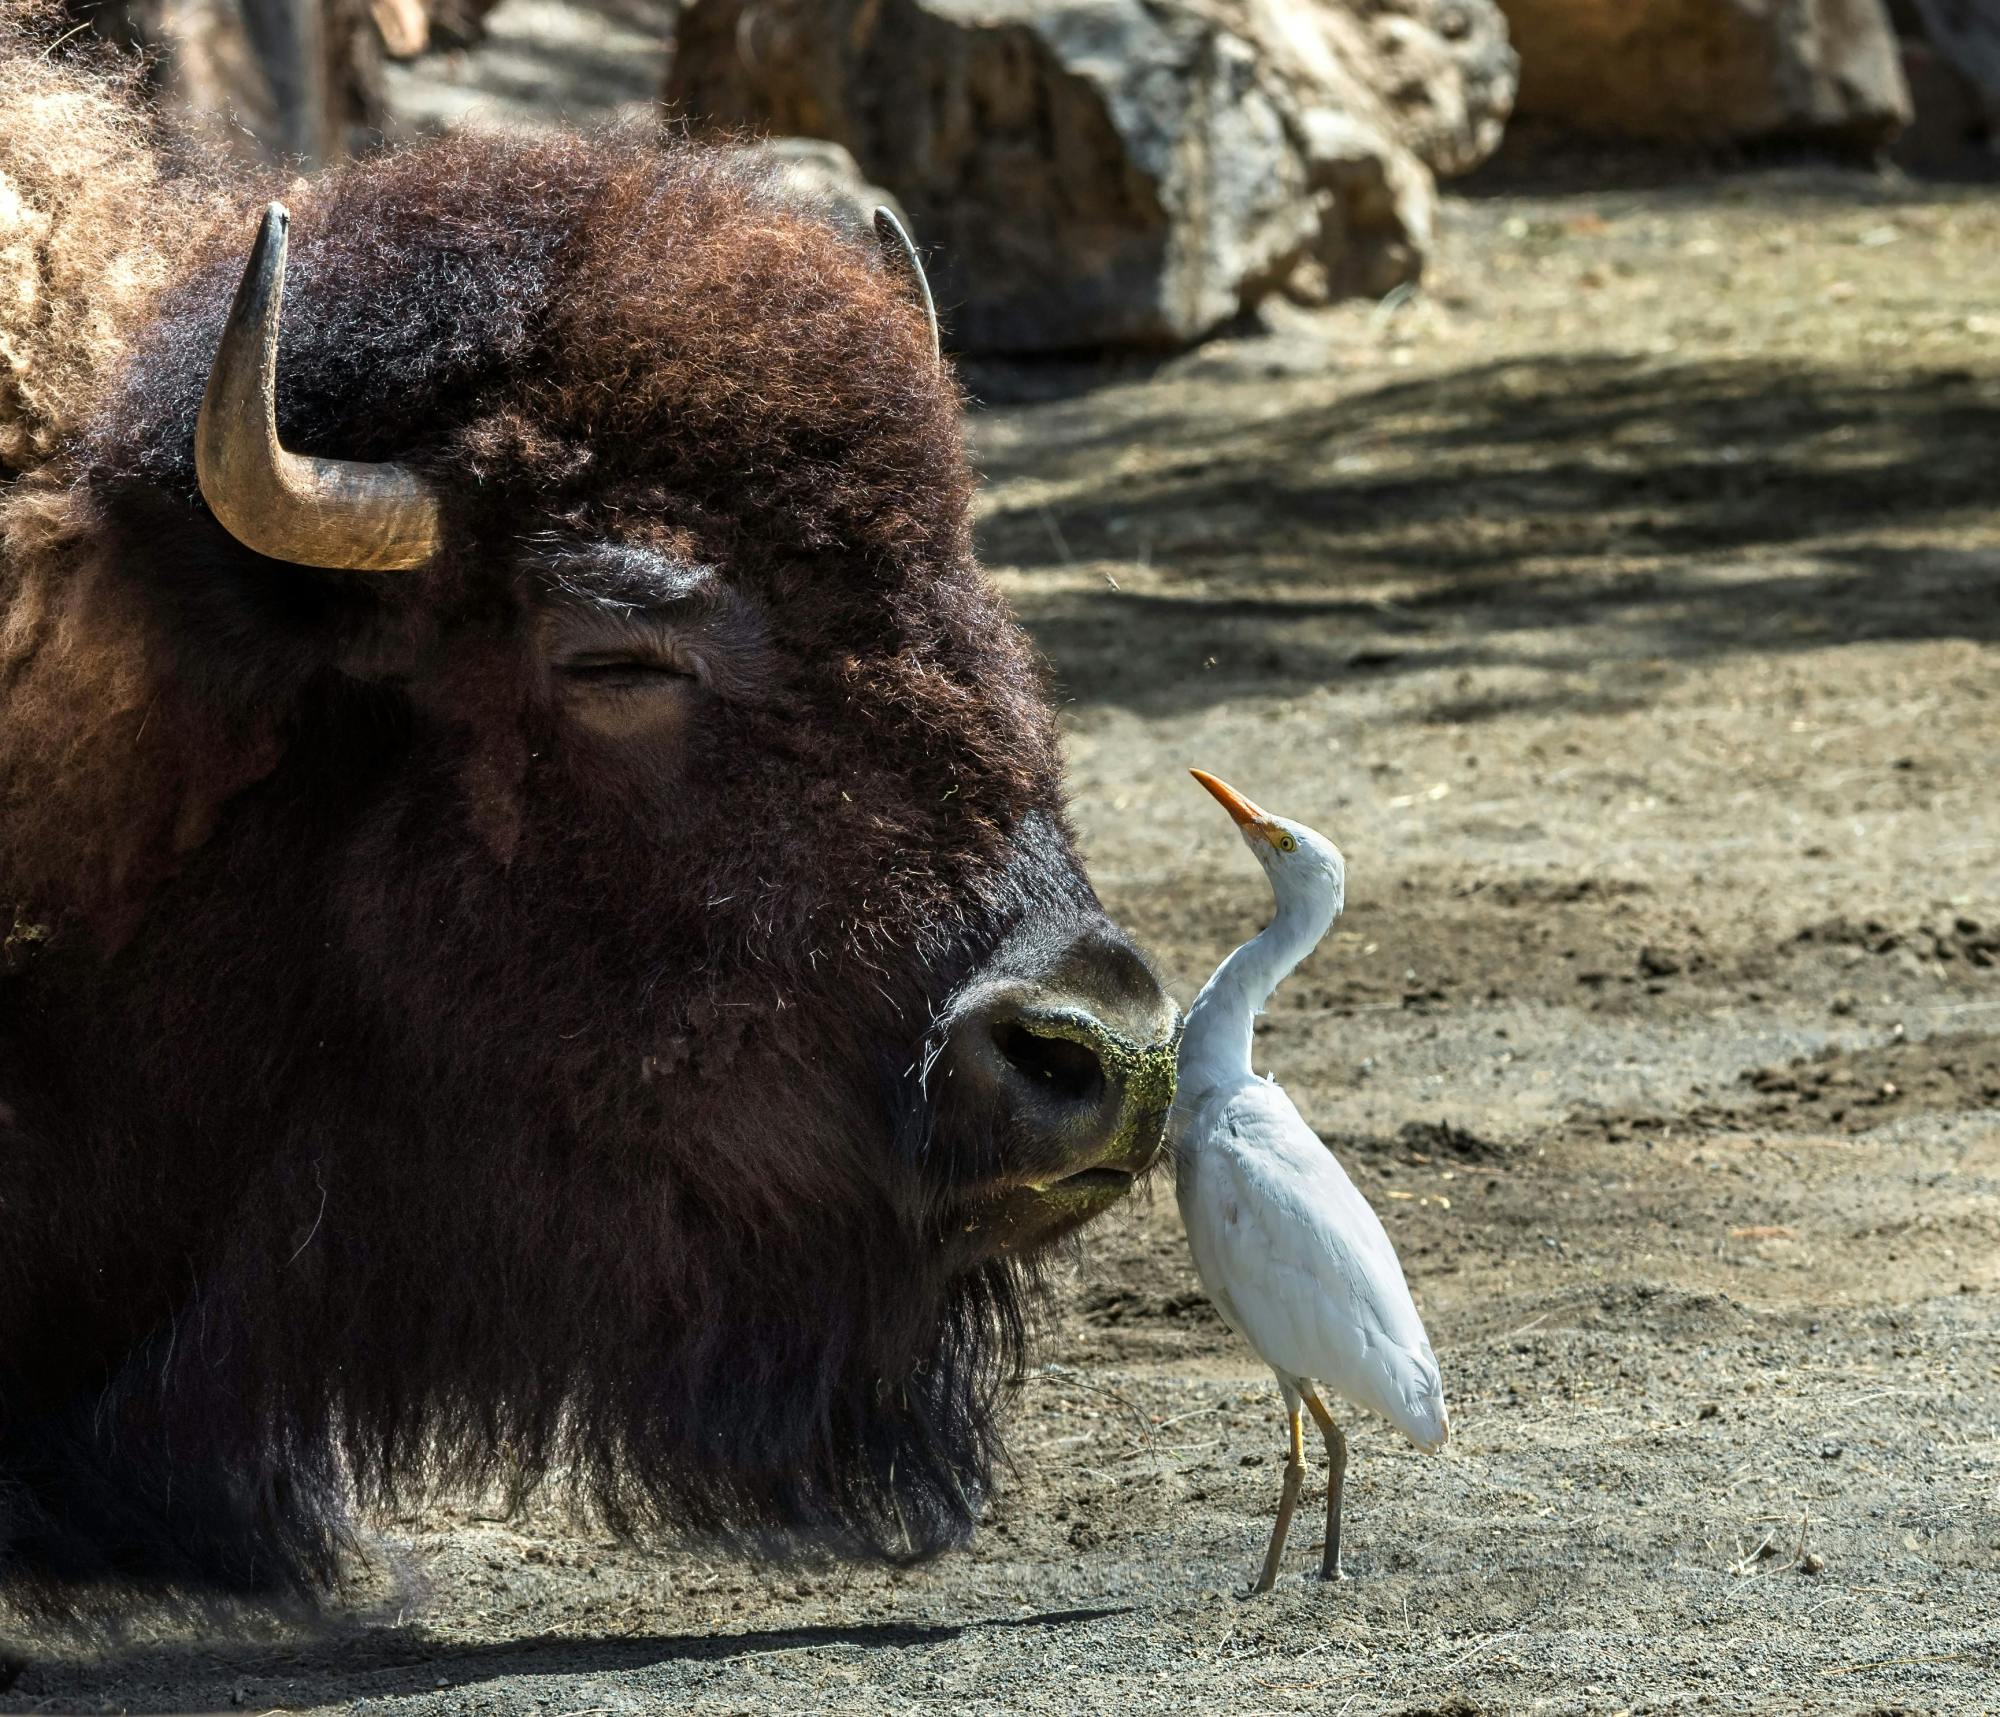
[(1075, 1063), (1045, 1062)]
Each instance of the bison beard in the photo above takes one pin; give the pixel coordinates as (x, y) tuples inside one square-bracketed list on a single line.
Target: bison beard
[(405, 1086), (731, 1343)]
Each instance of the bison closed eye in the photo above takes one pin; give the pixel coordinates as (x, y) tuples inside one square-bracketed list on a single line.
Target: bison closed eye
[(540, 930)]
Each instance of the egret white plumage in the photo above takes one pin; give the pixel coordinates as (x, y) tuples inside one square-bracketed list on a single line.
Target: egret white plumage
[(1290, 1252)]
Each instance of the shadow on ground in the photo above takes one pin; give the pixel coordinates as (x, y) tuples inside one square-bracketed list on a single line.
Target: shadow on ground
[(1698, 508), (382, 1663)]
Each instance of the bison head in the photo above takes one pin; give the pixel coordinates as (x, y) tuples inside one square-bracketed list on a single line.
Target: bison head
[(545, 937)]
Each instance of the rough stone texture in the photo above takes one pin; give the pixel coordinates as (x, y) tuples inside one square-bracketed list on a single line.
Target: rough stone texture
[(1711, 72), (1123, 172), (1437, 76)]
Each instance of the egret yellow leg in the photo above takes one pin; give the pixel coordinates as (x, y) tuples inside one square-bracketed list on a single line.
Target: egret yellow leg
[(1336, 1483), (1295, 1473)]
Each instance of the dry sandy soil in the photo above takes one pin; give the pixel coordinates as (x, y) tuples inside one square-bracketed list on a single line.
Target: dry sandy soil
[(1626, 604)]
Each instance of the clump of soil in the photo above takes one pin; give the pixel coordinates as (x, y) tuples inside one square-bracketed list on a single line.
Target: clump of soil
[(1431, 1139)]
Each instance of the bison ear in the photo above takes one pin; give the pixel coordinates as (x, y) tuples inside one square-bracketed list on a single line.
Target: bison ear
[(902, 256)]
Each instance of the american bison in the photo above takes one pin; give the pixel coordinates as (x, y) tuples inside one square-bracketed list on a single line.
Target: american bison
[(540, 936)]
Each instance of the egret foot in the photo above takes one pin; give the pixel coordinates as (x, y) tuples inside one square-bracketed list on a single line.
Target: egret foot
[(1295, 1475), (1336, 1483)]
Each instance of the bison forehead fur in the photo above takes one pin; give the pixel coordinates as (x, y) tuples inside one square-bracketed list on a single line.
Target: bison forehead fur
[(403, 1080)]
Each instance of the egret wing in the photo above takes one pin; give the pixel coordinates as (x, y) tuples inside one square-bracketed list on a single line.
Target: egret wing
[(1301, 1265)]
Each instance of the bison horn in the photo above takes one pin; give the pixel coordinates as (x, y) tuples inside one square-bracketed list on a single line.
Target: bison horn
[(902, 254), (314, 512)]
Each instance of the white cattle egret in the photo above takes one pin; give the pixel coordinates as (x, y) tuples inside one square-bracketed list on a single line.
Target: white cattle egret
[(1289, 1251)]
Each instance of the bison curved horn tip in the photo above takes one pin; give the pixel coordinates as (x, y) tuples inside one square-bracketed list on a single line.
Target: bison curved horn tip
[(290, 506), (896, 246)]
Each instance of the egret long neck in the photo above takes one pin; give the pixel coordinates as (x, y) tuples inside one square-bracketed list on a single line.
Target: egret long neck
[(1217, 1040)]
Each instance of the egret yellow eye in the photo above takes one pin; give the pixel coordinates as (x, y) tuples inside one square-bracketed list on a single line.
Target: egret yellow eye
[(1287, 844)]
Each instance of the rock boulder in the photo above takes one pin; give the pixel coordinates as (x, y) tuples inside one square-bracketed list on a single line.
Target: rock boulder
[(1710, 72), (1085, 173)]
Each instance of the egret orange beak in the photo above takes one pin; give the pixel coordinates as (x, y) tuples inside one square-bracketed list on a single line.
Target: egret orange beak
[(1252, 819)]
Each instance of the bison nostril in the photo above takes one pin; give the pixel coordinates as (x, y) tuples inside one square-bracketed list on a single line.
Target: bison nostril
[(1070, 1070)]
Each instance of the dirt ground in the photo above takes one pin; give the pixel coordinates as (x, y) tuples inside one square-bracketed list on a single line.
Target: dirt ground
[(1626, 604)]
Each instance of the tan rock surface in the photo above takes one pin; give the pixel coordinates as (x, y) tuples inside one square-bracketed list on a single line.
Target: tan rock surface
[(1711, 71), (1106, 172)]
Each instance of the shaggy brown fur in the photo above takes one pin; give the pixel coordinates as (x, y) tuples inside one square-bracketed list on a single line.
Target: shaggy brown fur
[(85, 221), (419, 1065)]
